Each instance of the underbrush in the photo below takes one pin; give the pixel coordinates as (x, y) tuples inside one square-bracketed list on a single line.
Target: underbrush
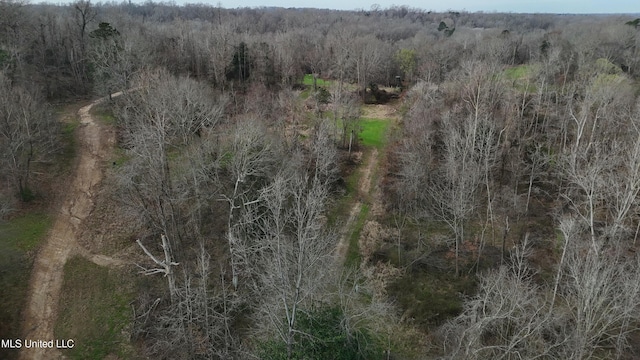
[(428, 299), (340, 209), (322, 335)]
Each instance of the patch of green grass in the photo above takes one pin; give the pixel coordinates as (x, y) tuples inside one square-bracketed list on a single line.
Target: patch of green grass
[(373, 132), (95, 311), (107, 119), (308, 81), (608, 80), (518, 72), (353, 252), (521, 76), (605, 66), (18, 236), (104, 114), (304, 95), (24, 232)]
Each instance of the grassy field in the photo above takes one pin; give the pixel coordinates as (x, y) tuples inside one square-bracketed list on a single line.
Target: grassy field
[(18, 238), (95, 311), (373, 132)]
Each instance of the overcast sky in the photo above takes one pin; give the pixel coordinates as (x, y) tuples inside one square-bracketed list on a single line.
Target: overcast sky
[(527, 6)]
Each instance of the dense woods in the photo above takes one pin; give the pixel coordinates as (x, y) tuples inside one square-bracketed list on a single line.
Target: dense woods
[(502, 220)]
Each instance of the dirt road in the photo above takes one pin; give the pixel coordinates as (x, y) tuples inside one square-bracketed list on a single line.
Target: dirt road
[(385, 112), (48, 270), (364, 185)]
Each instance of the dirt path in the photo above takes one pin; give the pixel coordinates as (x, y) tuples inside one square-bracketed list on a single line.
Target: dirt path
[(48, 269), (365, 192)]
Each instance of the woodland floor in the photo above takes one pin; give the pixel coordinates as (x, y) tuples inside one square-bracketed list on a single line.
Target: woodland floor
[(75, 220)]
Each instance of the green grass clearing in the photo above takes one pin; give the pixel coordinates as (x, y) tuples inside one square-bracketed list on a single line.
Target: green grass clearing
[(518, 72), (308, 81), (373, 132), (522, 77), (95, 311), (18, 237)]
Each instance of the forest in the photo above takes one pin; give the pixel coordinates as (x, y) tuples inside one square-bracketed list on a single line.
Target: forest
[(198, 182)]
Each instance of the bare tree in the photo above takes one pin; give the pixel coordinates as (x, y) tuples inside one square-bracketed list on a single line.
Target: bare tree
[(164, 266), (417, 155), (601, 295), (292, 249), (323, 155), (83, 14), (623, 186), (454, 185), (14, 34), (505, 320), (586, 173), (367, 61), (197, 322), (165, 115), (113, 59), (6, 206), (27, 134), (221, 42), (339, 43), (346, 114), (251, 159)]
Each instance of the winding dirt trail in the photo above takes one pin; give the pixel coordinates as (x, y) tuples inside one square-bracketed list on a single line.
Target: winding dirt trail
[(48, 269)]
